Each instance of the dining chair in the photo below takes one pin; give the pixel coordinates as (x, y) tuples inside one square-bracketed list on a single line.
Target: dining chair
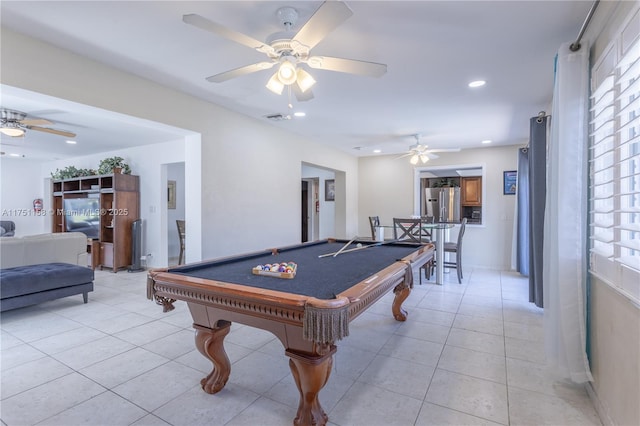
[(374, 222), (456, 248), (181, 235), (411, 230), (429, 220), (429, 266)]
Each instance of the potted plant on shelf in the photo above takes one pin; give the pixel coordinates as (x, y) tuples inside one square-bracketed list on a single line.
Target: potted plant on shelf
[(66, 173), (113, 165), (445, 183), (71, 172), (86, 172)]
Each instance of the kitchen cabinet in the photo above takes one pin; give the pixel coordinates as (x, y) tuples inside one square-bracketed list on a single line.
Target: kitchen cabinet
[(471, 188)]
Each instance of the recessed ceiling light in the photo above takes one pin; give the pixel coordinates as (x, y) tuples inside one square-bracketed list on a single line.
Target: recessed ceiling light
[(299, 114), (486, 141), (377, 151), (477, 83), (71, 142)]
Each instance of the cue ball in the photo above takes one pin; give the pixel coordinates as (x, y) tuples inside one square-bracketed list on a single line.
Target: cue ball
[(359, 245)]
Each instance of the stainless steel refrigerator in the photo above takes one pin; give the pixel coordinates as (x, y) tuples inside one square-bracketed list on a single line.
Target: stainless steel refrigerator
[(443, 204)]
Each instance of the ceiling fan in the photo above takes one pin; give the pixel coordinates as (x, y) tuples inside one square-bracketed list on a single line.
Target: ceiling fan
[(420, 153), (16, 124), (289, 49)]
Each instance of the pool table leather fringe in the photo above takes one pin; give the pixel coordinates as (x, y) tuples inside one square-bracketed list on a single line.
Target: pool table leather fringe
[(325, 325), (328, 325), (408, 274)]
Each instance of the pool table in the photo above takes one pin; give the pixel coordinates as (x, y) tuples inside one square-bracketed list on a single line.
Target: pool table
[(308, 313)]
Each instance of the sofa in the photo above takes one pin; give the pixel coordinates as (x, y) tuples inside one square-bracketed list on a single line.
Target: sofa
[(39, 268)]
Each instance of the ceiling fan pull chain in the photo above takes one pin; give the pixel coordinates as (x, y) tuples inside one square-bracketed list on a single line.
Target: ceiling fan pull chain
[(289, 91)]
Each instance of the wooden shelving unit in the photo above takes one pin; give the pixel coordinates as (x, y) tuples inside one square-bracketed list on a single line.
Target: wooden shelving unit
[(119, 204)]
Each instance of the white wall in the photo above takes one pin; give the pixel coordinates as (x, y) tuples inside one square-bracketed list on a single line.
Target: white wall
[(226, 193), (22, 183), (387, 190)]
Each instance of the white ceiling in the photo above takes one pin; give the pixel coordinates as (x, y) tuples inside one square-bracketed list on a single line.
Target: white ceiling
[(432, 49)]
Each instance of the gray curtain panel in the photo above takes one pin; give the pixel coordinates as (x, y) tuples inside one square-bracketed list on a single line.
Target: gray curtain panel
[(522, 226), (537, 194)]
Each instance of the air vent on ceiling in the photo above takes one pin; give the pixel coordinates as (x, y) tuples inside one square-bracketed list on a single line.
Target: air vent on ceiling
[(277, 117)]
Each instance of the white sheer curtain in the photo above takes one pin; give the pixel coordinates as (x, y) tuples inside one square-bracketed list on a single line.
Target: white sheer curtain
[(565, 230)]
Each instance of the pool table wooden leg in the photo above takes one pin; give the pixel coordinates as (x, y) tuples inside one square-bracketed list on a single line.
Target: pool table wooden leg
[(210, 344), (310, 374), (401, 291)]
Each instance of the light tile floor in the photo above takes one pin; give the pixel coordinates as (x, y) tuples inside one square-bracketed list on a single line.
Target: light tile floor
[(468, 354)]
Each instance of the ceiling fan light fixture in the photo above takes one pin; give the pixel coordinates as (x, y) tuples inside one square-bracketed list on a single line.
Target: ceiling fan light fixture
[(275, 85), (11, 130), (305, 80), (424, 158), (414, 159), (287, 73)]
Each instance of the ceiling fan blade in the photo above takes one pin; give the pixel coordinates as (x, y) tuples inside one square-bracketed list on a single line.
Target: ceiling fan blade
[(300, 95), (404, 155), (432, 156), (329, 15), (54, 131), (35, 122), (444, 150), (228, 75), (207, 25), (351, 66)]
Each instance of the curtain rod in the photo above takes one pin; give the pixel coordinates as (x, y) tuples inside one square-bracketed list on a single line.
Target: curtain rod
[(575, 46)]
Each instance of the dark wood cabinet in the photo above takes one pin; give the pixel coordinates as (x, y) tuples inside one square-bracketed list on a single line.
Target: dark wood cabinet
[(471, 189), (116, 198)]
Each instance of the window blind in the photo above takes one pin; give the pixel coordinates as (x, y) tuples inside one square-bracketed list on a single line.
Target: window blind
[(614, 163)]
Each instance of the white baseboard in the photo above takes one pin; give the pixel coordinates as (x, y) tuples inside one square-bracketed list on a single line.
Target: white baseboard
[(593, 396)]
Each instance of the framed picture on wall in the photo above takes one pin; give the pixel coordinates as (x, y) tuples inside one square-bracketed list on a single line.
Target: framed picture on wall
[(510, 179), (330, 190), (171, 194)]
